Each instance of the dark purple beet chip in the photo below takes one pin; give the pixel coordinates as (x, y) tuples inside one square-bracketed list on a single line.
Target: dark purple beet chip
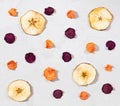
[(49, 10), (66, 56), (107, 88), (57, 93), (110, 45), (9, 38), (70, 33), (30, 57)]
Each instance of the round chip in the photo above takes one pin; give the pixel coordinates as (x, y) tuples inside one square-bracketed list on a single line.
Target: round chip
[(32, 22), (84, 74), (19, 90), (100, 18)]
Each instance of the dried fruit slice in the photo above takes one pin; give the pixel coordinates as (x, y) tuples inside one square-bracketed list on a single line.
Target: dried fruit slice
[(91, 47), (108, 67), (13, 12), (66, 56), (19, 90), (107, 88), (12, 65), (9, 38), (110, 45), (50, 74), (30, 57), (58, 93), (70, 33), (100, 18), (84, 95), (84, 74), (49, 44), (71, 14), (49, 10), (32, 22)]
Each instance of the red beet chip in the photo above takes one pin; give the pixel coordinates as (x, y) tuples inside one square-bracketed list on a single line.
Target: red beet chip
[(30, 57), (107, 88), (66, 56), (110, 45), (70, 33), (9, 38), (49, 10), (57, 93)]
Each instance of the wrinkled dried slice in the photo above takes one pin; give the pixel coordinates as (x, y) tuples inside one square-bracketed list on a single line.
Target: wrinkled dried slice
[(71, 14), (12, 65), (70, 33), (58, 93), (84, 74), (91, 47), (13, 12), (110, 45), (49, 44), (9, 38), (108, 67), (84, 95), (100, 18), (49, 10), (66, 56), (50, 74), (107, 88), (32, 22), (30, 57), (19, 90)]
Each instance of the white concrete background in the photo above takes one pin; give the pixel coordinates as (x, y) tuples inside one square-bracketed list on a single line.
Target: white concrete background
[(56, 25)]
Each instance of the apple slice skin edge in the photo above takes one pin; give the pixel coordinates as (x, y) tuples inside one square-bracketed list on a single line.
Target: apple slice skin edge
[(91, 24), (22, 96), (79, 80), (42, 22)]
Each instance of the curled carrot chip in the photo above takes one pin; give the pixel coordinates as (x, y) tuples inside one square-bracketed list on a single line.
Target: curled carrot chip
[(84, 95), (12, 65), (49, 44), (108, 67), (71, 14), (50, 74), (91, 47), (13, 12)]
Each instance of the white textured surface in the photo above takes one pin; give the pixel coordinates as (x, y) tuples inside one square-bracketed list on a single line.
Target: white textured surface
[(56, 25)]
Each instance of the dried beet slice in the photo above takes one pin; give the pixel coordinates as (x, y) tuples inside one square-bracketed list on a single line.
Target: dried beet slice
[(30, 57), (49, 10), (9, 38), (107, 88), (58, 93), (110, 45), (66, 56), (70, 33)]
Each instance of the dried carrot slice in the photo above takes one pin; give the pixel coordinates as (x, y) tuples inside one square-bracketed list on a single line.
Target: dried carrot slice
[(50, 74), (49, 44), (84, 95), (108, 67), (13, 12), (71, 14), (91, 47), (12, 65)]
